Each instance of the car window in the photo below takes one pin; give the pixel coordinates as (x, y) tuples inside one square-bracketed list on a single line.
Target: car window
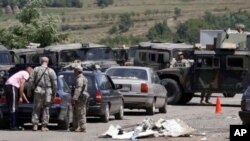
[(70, 79), (5, 58), (128, 73), (155, 78), (103, 82), (207, 62), (62, 85), (235, 62)]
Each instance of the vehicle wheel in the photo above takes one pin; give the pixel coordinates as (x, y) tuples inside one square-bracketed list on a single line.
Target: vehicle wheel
[(186, 97), (151, 110), (173, 89), (229, 94), (62, 124), (120, 115), (164, 108), (105, 117), (4, 123)]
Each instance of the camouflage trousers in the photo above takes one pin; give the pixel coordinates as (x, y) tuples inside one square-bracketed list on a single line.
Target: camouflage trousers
[(207, 96), (79, 112), (41, 105)]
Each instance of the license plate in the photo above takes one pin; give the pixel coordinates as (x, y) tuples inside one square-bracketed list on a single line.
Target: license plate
[(126, 88)]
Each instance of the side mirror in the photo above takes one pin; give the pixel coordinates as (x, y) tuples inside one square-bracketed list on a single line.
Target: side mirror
[(118, 86)]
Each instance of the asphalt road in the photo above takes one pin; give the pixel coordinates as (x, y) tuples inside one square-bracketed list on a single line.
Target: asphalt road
[(200, 117)]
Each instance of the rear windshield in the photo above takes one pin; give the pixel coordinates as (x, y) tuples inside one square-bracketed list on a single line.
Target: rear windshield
[(70, 79), (5, 58), (128, 73)]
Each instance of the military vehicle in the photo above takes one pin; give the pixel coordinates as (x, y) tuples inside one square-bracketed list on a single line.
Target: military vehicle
[(26, 56), (29, 57), (160, 55), (88, 54), (5, 65), (128, 59), (222, 69)]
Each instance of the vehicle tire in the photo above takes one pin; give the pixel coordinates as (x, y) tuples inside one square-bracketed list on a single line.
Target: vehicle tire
[(186, 97), (164, 108), (62, 124), (151, 110), (120, 114), (4, 123), (173, 89), (105, 117), (229, 94)]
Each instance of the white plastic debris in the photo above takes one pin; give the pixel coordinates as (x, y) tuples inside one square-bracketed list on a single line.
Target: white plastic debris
[(112, 131), (148, 127), (203, 139)]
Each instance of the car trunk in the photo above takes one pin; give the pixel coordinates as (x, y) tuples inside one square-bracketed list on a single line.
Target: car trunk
[(130, 84)]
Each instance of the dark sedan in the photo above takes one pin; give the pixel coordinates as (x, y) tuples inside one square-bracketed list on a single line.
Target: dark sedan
[(59, 112), (245, 107), (104, 100)]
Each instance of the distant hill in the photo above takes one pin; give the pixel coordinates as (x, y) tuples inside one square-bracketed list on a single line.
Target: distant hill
[(91, 23)]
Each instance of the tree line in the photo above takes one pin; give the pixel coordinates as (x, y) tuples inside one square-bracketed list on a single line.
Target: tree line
[(49, 3), (187, 31)]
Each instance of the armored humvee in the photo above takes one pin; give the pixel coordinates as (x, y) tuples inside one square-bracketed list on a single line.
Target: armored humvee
[(5, 65), (159, 55), (88, 54), (128, 59), (222, 69), (29, 57)]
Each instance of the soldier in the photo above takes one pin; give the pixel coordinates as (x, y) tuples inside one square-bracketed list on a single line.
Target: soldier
[(240, 28), (44, 82), (207, 95), (180, 61), (79, 101), (14, 84)]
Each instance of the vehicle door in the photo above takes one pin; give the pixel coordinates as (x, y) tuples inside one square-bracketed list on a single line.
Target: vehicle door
[(206, 73), (116, 95), (107, 91), (158, 89), (234, 73)]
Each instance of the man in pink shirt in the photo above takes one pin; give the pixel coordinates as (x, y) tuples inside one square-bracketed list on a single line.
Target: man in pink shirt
[(13, 86)]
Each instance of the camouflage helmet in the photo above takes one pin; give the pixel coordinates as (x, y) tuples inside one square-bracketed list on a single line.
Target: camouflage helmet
[(78, 68), (240, 26)]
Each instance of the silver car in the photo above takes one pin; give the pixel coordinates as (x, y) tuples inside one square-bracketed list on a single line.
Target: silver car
[(140, 87)]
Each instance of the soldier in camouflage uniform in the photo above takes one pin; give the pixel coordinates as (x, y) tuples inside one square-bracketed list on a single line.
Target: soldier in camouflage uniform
[(79, 101), (180, 61), (44, 82)]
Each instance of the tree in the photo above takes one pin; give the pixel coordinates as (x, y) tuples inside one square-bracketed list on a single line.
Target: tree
[(31, 28), (160, 31), (113, 30), (104, 3), (125, 22), (177, 12)]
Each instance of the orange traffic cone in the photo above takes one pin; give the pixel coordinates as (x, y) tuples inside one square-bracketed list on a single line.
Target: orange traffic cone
[(218, 109)]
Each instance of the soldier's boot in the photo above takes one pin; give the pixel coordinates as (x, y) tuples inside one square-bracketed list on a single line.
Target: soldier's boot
[(35, 127), (44, 128), (79, 129), (208, 102)]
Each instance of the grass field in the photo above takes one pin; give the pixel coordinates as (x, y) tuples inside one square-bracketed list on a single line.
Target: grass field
[(91, 23)]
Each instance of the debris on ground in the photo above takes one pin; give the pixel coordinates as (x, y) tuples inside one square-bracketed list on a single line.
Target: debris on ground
[(150, 128)]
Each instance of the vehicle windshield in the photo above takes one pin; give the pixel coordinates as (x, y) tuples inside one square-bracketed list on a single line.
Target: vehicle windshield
[(188, 54), (87, 54), (70, 80), (131, 53), (128, 73), (5, 58)]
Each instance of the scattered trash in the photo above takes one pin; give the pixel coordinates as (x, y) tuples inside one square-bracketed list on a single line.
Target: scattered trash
[(150, 128), (203, 139)]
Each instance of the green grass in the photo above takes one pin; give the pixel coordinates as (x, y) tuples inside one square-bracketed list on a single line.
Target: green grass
[(92, 16)]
